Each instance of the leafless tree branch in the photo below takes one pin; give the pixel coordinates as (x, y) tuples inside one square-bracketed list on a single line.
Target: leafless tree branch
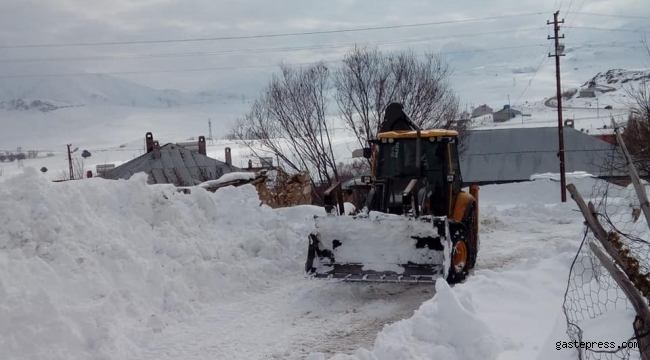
[(289, 121), (369, 81), (637, 131)]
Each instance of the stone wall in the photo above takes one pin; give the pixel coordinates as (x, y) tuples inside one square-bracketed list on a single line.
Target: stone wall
[(288, 190)]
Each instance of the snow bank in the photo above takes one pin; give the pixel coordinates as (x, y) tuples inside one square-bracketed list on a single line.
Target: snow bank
[(441, 329), (96, 268), (540, 191)]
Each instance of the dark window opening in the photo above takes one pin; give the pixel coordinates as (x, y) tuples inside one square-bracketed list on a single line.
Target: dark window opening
[(399, 158)]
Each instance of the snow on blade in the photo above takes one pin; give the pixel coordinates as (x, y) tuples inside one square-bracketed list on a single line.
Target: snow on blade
[(380, 242)]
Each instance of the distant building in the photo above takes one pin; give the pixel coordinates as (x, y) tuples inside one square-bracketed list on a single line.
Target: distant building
[(505, 114), (173, 164), (464, 116), (515, 154), (589, 92), (102, 168), (592, 90), (482, 110)]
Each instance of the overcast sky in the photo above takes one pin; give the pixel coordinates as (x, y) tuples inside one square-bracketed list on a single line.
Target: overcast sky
[(42, 22)]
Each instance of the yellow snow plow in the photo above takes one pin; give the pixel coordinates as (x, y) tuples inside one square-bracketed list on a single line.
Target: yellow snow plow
[(417, 223)]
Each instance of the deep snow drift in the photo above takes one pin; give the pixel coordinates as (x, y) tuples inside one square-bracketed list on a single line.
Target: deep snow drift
[(94, 268)]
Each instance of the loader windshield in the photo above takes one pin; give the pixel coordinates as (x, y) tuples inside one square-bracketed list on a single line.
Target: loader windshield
[(398, 158)]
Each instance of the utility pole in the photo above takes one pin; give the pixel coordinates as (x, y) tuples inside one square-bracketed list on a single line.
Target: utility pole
[(558, 52), (70, 162), (210, 128)]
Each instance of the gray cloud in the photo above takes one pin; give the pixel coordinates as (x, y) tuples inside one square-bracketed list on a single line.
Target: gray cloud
[(74, 21)]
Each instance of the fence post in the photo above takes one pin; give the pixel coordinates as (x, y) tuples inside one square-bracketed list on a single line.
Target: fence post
[(623, 278), (634, 175)]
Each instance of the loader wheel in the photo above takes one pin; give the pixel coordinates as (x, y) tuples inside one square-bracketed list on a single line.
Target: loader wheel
[(459, 261), (460, 256), (472, 238)]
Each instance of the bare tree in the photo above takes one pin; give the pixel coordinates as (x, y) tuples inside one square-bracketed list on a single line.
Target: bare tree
[(289, 121), (637, 132), (368, 81), (78, 170)]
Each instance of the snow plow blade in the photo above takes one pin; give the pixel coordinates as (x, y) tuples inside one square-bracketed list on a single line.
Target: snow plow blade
[(380, 248)]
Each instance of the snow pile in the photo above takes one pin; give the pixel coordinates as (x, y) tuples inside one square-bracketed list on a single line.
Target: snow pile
[(441, 329), (97, 268)]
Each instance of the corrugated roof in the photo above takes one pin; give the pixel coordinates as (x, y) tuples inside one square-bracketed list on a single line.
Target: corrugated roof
[(176, 165), (515, 154)]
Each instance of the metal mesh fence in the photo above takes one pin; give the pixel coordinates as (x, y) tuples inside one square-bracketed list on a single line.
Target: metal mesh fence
[(592, 295)]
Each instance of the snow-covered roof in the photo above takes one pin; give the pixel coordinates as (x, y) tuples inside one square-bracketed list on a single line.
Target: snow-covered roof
[(175, 165)]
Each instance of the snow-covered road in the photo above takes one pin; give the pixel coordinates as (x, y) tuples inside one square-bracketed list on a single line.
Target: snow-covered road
[(290, 321)]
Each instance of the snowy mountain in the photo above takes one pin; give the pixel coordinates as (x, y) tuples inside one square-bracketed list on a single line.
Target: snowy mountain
[(50, 93), (28, 104), (591, 105), (618, 77)]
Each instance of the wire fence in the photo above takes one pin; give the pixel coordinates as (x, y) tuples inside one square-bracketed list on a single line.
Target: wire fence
[(594, 302)]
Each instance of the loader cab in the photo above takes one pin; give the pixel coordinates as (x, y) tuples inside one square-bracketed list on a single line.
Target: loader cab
[(395, 165)]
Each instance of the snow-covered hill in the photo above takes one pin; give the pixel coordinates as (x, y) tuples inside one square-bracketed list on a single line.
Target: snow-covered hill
[(95, 90), (591, 105), (29, 104)]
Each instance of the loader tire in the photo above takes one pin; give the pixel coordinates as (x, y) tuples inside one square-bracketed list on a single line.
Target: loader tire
[(472, 237), (465, 248), (459, 261)]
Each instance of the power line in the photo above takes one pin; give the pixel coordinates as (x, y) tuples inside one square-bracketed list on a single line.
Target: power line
[(544, 57), (138, 72), (568, 9), (601, 29), (613, 15), (576, 14), (236, 67), (261, 50), (262, 36)]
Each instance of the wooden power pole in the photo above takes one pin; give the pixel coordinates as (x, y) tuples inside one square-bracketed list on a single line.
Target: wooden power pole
[(70, 162), (558, 52)]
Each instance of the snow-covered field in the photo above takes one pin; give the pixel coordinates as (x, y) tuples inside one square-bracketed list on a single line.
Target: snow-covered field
[(100, 269)]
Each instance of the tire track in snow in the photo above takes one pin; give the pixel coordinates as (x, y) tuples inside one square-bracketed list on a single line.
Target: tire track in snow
[(292, 320), (403, 299)]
